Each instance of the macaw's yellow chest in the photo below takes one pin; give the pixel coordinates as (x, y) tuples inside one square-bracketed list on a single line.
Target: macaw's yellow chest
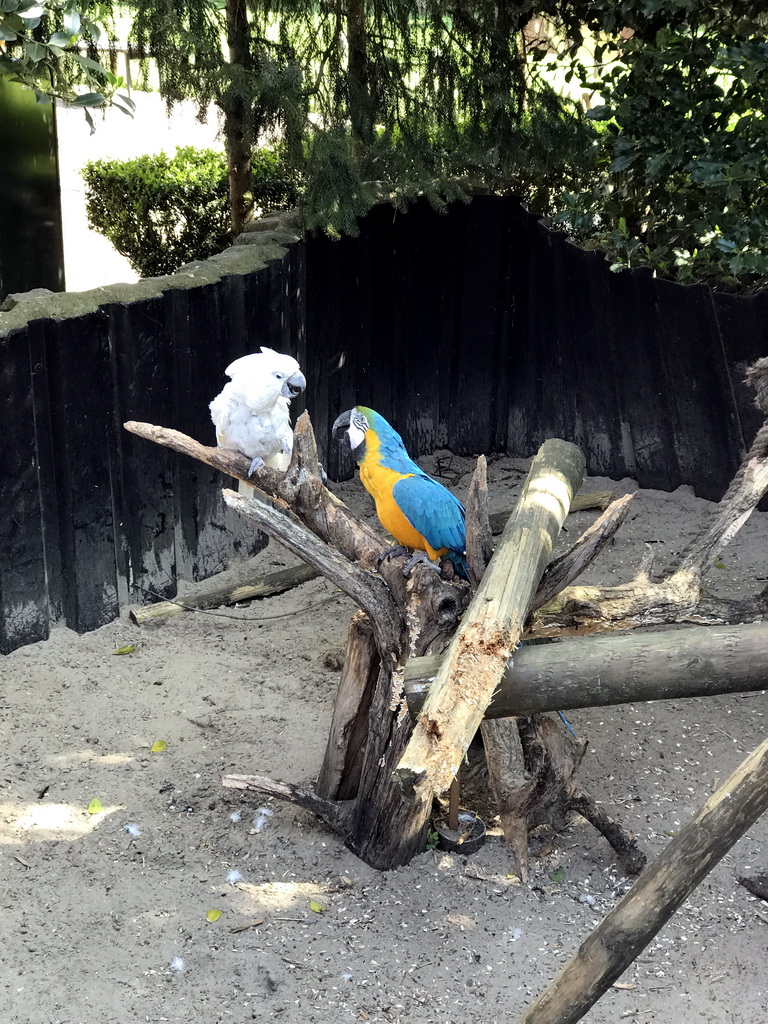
[(379, 481)]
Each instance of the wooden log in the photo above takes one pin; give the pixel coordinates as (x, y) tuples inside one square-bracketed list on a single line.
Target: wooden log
[(492, 626), (212, 594), (580, 503), (656, 895), (594, 671)]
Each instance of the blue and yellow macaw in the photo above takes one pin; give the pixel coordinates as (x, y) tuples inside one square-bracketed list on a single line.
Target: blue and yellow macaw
[(415, 509)]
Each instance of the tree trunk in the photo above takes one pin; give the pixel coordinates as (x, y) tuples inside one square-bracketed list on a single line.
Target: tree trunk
[(359, 78), (238, 137)]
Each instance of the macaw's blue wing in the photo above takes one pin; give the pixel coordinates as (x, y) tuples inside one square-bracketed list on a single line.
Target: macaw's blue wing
[(432, 510)]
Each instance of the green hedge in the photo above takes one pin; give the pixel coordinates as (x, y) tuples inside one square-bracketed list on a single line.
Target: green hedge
[(161, 212)]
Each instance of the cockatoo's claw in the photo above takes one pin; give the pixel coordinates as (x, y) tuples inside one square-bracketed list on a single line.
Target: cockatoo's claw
[(256, 463), (393, 552), (419, 557)]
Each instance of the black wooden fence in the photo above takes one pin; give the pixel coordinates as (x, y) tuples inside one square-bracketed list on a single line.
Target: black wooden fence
[(479, 330), (484, 331)]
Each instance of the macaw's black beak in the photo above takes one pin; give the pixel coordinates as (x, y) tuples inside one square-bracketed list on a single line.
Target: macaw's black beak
[(340, 428)]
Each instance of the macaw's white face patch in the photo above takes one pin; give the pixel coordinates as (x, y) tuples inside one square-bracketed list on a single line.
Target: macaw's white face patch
[(357, 427)]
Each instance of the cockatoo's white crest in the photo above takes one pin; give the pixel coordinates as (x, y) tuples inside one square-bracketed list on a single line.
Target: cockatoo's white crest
[(251, 413)]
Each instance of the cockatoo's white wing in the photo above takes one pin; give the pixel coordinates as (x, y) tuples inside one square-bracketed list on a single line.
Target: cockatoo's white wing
[(251, 413)]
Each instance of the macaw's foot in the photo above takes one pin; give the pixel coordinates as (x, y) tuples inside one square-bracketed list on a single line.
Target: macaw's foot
[(419, 557), (393, 552), (256, 463), (567, 724)]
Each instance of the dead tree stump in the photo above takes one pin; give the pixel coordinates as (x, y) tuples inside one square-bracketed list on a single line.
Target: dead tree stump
[(374, 754)]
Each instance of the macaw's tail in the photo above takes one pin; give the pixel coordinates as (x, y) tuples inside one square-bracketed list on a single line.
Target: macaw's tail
[(459, 563)]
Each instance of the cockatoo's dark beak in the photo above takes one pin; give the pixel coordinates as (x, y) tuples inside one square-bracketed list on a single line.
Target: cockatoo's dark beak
[(340, 428), (294, 385)]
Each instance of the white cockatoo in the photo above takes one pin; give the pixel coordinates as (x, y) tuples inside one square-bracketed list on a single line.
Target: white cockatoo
[(251, 413)]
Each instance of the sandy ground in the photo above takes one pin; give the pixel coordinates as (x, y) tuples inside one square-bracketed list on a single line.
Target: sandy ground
[(103, 923)]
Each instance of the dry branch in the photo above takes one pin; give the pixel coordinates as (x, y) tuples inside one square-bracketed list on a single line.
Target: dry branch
[(680, 595), (214, 595), (492, 626), (365, 588), (479, 539), (593, 671), (322, 512), (656, 895), (330, 812)]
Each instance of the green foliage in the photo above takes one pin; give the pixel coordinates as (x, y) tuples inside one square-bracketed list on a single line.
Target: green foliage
[(681, 174), (161, 212), (407, 96), (42, 41)]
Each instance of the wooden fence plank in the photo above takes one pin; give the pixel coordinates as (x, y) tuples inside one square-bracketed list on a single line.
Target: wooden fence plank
[(85, 461), (641, 384), (478, 317), (742, 325), (23, 597), (705, 428), (143, 485), (524, 433), (555, 335), (585, 274)]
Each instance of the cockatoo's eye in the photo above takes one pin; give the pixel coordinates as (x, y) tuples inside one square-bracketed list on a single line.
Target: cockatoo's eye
[(278, 375)]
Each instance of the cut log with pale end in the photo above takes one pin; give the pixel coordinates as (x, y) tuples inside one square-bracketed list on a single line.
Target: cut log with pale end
[(567, 567), (656, 895), (212, 594), (492, 626), (593, 671), (581, 503)]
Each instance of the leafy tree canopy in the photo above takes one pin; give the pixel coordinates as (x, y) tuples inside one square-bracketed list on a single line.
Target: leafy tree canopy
[(681, 177), (52, 47), (396, 97), (407, 95)]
